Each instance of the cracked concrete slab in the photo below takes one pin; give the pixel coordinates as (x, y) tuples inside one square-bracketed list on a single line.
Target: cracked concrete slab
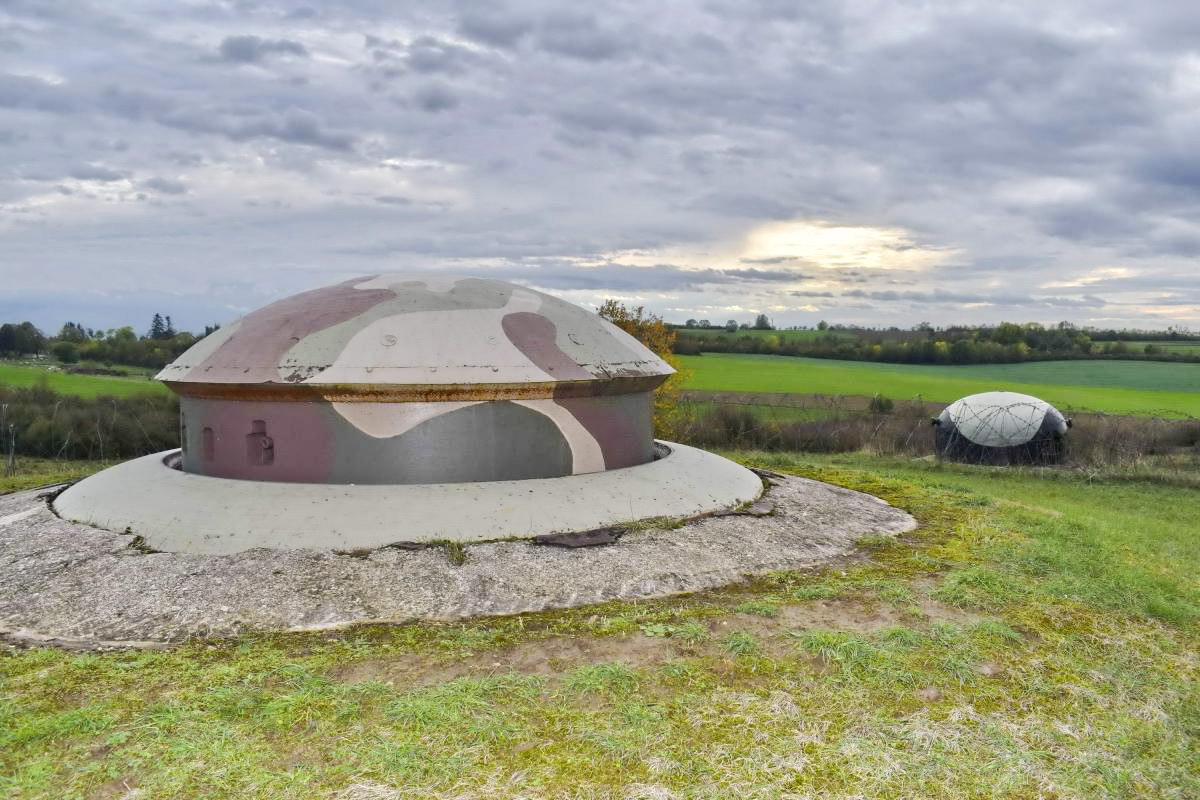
[(72, 585)]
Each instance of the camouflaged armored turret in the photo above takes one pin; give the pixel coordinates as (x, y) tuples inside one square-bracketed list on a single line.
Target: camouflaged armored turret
[(390, 379)]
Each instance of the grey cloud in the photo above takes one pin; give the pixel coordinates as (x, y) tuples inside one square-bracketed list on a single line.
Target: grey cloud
[(1186, 245), (425, 55), (1177, 168), (254, 49), (1092, 222), (165, 185), (297, 126), (491, 25), (939, 297), (615, 277), (594, 119), (290, 125), (133, 103), (183, 158), (783, 275), (435, 98), (428, 54), (744, 204), (581, 36), (20, 91), (96, 172)]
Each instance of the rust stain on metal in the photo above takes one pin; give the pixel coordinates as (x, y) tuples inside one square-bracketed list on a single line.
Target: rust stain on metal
[(413, 393)]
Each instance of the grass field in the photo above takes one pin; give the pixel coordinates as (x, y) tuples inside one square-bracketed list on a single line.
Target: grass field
[(1036, 637), (1120, 387), (1189, 348), (24, 375)]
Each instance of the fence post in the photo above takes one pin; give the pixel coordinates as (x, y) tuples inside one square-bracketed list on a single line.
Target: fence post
[(11, 468)]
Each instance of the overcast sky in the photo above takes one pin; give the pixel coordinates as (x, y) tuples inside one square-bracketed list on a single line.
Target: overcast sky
[(874, 162)]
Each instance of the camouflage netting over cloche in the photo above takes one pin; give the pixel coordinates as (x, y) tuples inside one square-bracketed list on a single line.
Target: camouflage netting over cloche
[(1001, 428), (395, 379)]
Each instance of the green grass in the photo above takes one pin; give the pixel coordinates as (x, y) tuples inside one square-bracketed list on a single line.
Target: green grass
[(25, 375), (30, 473), (1191, 348), (1119, 387), (1036, 637)]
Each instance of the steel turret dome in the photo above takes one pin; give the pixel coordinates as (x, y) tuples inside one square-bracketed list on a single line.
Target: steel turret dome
[(433, 379), (399, 331)]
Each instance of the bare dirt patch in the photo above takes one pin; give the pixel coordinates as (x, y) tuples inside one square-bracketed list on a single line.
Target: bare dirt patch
[(549, 657), (557, 655), (125, 788), (940, 612), (837, 614)]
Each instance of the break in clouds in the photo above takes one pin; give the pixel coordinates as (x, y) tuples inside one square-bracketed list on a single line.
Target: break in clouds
[(871, 162)]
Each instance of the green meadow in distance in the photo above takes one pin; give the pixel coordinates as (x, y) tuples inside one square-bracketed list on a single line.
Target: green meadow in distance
[(25, 376), (1185, 348), (1117, 387)]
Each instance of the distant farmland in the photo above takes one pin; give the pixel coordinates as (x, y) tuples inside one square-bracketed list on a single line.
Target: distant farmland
[(1118, 387), (1185, 348), (24, 376)]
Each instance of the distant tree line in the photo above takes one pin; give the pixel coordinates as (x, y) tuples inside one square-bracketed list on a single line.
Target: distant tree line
[(21, 339), (761, 323), (1173, 333), (924, 344), (156, 348)]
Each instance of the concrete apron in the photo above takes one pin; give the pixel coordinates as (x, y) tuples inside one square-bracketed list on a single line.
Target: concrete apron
[(175, 511), (70, 585)]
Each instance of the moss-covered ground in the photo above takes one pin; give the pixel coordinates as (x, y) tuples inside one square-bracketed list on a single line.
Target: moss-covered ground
[(1036, 637)]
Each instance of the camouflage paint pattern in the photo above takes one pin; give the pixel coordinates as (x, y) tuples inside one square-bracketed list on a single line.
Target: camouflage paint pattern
[(391, 379), (393, 330), (323, 442)]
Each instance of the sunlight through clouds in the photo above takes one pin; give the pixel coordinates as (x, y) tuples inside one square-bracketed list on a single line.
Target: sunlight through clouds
[(829, 246), (1095, 276)]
